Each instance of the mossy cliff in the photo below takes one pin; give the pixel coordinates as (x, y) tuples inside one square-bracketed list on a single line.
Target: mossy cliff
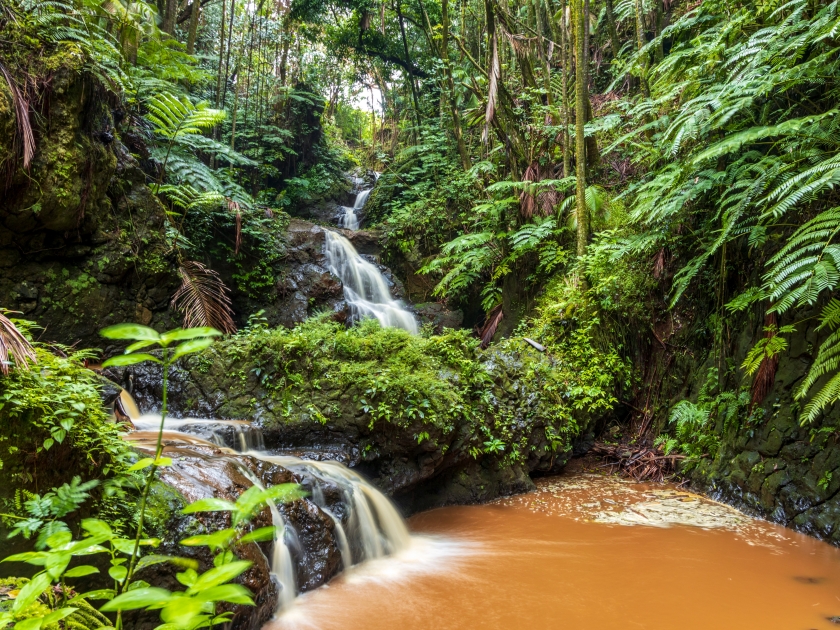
[(81, 235)]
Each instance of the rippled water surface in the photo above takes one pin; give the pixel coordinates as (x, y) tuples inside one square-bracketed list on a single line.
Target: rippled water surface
[(586, 552)]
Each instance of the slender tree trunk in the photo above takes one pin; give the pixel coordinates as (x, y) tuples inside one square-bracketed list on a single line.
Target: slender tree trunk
[(221, 57), (408, 63), (567, 118), (616, 47), (660, 51), (229, 47), (196, 9), (450, 83), (640, 42), (580, 120), (170, 13)]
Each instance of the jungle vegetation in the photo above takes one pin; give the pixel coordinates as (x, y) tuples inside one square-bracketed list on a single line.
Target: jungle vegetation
[(574, 171)]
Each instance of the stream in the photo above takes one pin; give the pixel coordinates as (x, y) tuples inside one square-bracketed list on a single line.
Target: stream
[(587, 552)]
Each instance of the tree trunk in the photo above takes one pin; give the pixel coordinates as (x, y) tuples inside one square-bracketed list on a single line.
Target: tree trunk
[(221, 58), (450, 83), (408, 65), (567, 118), (170, 13), (616, 47), (196, 9), (580, 120), (640, 43)]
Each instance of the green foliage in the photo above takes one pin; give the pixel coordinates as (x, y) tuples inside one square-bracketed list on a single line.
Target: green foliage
[(55, 412)]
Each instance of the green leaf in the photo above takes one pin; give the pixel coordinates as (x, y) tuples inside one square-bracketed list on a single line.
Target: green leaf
[(97, 527), (102, 593), (220, 575), (130, 359), (233, 593), (81, 571), (138, 598), (191, 347), (31, 591), (142, 463), (150, 560), (214, 540), (139, 346), (262, 534), (34, 623), (181, 334), (58, 615), (135, 332), (118, 573), (209, 504)]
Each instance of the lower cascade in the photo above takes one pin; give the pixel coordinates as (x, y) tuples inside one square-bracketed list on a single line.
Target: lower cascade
[(368, 528), (365, 288)]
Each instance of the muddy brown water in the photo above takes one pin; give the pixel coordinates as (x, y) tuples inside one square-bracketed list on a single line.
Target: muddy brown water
[(586, 552)]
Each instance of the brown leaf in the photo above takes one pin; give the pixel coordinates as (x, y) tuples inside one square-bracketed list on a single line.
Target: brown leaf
[(203, 298), (14, 347), (22, 117)]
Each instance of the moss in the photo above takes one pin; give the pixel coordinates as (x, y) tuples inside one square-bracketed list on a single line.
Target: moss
[(10, 586)]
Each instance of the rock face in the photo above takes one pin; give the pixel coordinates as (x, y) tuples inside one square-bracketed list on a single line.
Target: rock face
[(198, 472), (81, 235), (770, 465)]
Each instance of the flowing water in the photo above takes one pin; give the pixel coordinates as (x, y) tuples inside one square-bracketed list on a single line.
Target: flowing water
[(350, 220), (365, 289), (587, 553), (371, 529), (583, 551)]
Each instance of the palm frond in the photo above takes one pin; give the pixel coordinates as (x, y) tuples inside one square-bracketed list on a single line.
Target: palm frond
[(14, 347), (203, 298)]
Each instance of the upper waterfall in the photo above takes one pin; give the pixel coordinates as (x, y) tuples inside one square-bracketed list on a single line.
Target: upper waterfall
[(365, 288), (350, 220)]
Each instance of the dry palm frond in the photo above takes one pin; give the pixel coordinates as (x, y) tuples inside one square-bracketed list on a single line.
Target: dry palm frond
[(491, 323), (527, 200), (22, 116), (492, 88), (203, 298), (659, 264), (14, 347), (640, 462)]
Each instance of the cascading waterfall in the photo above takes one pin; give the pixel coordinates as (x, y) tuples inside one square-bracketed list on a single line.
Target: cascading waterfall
[(371, 528), (375, 528), (350, 220), (365, 289)]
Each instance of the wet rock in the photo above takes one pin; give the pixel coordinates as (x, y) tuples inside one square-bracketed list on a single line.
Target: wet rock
[(198, 473), (438, 315)]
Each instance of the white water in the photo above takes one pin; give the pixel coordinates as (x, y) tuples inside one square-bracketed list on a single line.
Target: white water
[(371, 530), (350, 220), (247, 438), (365, 289), (375, 528)]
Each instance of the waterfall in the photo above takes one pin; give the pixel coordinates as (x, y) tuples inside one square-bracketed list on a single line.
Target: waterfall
[(365, 289), (370, 526), (350, 221), (374, 527)]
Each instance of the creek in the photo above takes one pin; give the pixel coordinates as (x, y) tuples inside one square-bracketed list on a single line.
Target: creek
[(583, 551), (587, 552)]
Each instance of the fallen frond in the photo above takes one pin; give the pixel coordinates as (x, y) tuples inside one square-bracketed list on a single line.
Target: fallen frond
[(203, 298), (14, 347)]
